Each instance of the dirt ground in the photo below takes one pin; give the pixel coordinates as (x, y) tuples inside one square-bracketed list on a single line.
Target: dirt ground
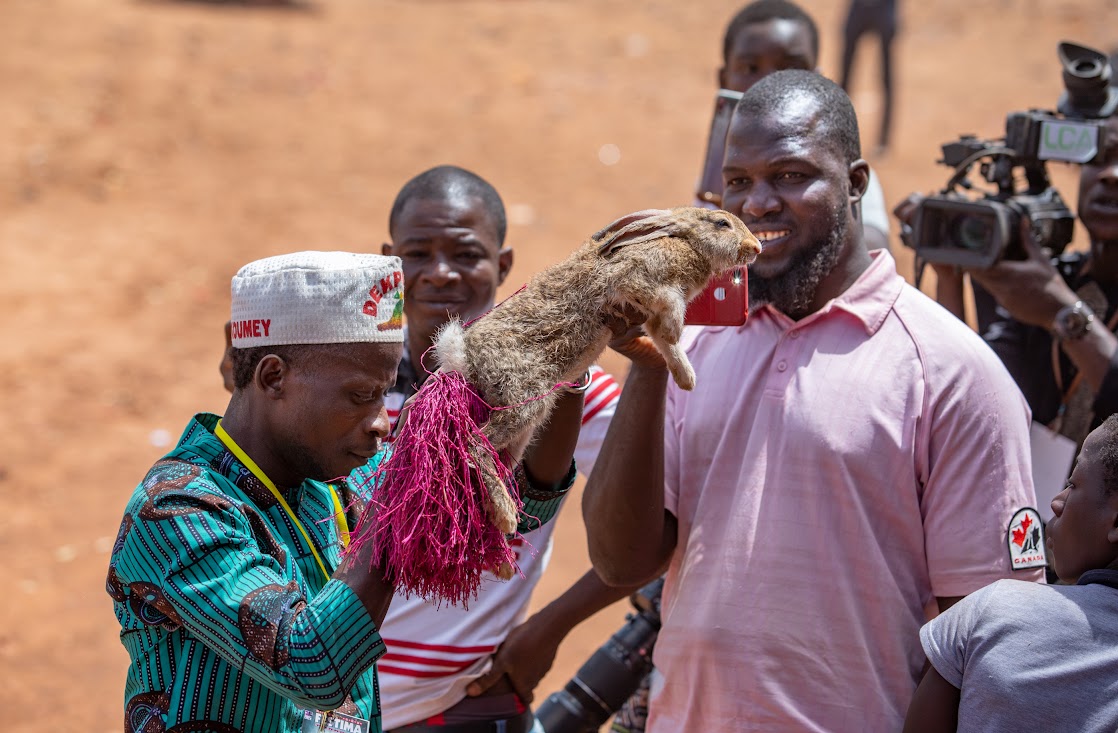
[(148, 148)]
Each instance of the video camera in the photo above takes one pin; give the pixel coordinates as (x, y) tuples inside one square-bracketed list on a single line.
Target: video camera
[(954, 229), (611, 675)]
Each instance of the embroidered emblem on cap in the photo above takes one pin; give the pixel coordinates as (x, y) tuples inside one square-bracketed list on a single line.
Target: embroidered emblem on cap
[(1025, 539), (384, 295)]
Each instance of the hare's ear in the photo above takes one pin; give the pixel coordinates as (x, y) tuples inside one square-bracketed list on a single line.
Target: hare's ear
[(640, 226), (627, 220)]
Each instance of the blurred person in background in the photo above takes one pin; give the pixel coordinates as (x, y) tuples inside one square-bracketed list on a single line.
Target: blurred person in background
[(771, 35), (879, 18)]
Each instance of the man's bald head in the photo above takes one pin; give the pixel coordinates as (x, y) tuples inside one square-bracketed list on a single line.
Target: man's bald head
[(793, 92)]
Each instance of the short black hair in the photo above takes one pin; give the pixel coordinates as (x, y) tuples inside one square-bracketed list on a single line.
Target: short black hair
[(444, 181), (304, 356), (763, 11), (837, 121), (1108, 454)]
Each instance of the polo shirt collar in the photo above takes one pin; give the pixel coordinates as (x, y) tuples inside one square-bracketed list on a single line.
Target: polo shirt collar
[(870, 298)]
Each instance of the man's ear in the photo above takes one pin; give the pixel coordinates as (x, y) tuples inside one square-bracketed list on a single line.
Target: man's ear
[(1112, 507), (226, 367), (271, 376), (386, 249), (722, 77), (859, 174), (504, 264)]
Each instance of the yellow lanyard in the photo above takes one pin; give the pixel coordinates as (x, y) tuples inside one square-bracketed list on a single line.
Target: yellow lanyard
[(343, 527)]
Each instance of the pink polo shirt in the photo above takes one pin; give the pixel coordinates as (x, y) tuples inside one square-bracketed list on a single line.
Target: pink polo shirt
[(831, 478)]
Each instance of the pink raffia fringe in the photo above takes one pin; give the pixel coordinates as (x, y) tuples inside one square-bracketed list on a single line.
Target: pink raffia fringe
[(429, 521)]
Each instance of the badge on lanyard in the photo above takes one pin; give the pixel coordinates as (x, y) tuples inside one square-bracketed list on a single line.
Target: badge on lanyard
[(316, 721)]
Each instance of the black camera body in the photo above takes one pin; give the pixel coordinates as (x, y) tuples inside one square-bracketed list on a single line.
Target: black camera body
[(956, 229), (611, 675)]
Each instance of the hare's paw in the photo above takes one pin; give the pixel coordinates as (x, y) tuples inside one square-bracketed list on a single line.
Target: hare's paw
[(679, 366), (683, 374)]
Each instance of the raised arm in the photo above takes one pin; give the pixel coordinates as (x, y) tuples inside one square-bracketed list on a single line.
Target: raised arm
[(547, 459), (631, 535)]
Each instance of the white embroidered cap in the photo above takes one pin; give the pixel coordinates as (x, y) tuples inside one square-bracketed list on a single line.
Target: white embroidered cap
[(318, 298)]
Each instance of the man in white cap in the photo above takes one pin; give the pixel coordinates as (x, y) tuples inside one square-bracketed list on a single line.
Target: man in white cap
[(236, 606)]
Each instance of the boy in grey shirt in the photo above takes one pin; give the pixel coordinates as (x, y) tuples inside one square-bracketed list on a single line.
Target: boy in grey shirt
[(1023, 656)]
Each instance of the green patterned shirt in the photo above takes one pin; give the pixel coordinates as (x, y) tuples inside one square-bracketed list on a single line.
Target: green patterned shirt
[(224, 611)]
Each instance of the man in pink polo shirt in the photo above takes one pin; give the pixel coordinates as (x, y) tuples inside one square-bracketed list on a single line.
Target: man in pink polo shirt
[(848, 463)]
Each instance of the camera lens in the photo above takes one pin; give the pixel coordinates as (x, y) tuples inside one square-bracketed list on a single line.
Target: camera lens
[(613, 673), (973, 233)]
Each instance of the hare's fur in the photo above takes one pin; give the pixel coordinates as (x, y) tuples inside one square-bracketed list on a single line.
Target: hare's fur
[(554, 329)]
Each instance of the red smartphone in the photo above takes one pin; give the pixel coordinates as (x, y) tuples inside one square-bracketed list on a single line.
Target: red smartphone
[(723, 302)]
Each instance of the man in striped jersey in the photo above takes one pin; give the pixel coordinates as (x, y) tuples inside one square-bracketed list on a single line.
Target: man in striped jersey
[(448, 669), (235, 604)]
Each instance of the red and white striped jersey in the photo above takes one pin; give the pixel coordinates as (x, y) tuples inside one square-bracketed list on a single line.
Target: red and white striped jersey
[(433, 653)]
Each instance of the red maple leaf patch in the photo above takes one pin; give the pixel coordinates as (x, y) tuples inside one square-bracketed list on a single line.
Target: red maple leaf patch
[(1022, 529)]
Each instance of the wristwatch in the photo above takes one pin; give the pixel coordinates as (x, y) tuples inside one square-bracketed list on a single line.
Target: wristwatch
[(1072, 322)]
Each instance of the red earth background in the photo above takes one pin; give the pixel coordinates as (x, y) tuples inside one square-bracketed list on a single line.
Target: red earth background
[(149, 148)]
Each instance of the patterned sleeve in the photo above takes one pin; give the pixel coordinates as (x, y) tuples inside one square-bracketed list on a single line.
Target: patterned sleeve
[(540, 506), (189, 557)]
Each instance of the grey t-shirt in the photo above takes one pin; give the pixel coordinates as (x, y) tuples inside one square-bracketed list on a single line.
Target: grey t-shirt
[(1031, 657)]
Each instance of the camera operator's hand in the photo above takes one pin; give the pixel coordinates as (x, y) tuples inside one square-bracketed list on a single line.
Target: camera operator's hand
[(525, 657), (906, 209), (949, 278), (1031, 290)]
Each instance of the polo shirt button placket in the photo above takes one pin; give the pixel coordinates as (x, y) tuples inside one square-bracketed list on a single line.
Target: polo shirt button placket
[(781, 366)]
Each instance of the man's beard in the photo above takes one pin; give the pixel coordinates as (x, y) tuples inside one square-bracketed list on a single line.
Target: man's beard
[(793, 291)]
